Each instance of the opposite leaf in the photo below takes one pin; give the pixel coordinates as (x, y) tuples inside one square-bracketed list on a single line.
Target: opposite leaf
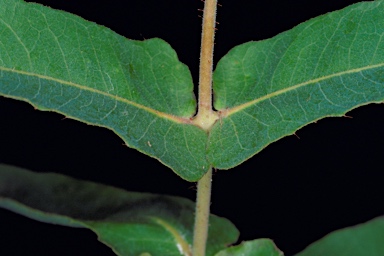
[(130, 223), (59, 62), (259, 247), (269, 89), (361, 240)]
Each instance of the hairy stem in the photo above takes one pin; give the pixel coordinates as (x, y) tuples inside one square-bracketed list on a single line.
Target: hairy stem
[(202, 214), (205, 118), (206, 57)]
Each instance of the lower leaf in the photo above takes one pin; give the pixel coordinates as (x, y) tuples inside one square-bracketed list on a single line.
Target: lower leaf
[(361, 240), (130, 223), (259, 247)]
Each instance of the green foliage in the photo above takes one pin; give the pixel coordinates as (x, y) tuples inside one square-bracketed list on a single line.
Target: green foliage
[(122, 220), (60, 62), (363, 239), (321, 68), (259, 247), (263, 91)]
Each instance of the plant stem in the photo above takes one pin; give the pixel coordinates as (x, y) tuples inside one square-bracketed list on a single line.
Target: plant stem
[(205, 118), (206, 56), (203, 202)]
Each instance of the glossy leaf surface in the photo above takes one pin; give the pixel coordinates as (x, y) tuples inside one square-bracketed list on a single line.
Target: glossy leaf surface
[(269, 89), (130, 223), (60, 62), (361, 240), (259, 247)]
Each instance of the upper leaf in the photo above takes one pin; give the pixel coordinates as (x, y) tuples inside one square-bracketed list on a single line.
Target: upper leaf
[(269, 89), (128, 222), (139, 89), (263, 90)]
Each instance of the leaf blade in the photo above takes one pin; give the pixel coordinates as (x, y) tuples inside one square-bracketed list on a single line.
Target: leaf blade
[(130, 223), (258, 247), (269, 89), (362, 239), (59, 62)]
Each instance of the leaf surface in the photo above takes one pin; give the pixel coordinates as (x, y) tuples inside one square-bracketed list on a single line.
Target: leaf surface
[(263, 90), (128, 222), (361, 240), (269, 89), (259, 247), (60, 62)]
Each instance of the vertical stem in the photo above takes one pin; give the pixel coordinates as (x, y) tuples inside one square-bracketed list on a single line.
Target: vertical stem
[(203, 202), (206, 56), (205, 116), (205, 119)]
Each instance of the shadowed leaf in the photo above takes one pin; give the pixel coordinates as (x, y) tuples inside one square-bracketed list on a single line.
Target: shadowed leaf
[(361, 240), (259, 247), (128, 222)]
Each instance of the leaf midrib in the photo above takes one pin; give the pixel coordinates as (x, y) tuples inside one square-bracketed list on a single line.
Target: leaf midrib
[(182, 244), (223, 113), (160, 114), (230, 111)]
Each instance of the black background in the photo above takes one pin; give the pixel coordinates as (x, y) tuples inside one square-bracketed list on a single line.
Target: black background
[(295, 191)]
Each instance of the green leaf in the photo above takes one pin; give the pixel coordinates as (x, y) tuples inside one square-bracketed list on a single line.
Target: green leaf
[(269, 89), (59, 62), (128, 222), (259, 247), (361, 240)]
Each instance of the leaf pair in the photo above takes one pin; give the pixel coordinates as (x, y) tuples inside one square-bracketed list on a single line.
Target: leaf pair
[(263, 90)]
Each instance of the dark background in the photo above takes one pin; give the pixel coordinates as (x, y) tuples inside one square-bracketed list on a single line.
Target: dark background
[(295, 191)]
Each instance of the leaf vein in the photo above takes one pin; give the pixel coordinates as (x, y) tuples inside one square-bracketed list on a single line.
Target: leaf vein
[(170, 117), (20, 41), (238, 108)]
